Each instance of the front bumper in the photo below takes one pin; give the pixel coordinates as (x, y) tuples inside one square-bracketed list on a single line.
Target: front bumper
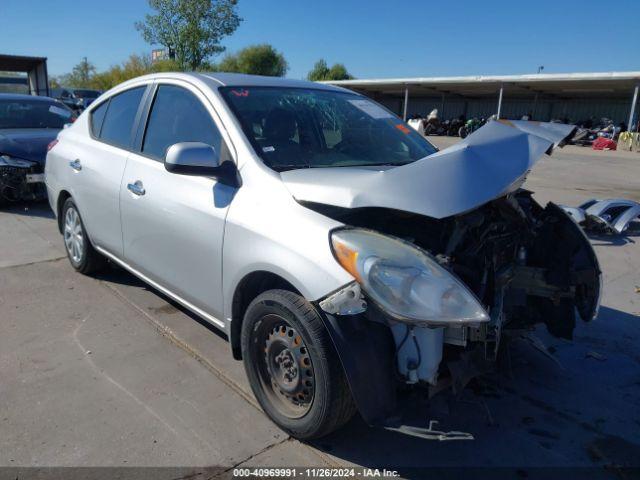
[(19, 183)]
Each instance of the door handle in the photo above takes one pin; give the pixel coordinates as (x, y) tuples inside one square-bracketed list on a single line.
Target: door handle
[(76, 165), (136, 188)]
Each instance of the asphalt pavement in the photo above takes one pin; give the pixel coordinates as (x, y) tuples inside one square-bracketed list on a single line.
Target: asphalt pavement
[(104, 371)]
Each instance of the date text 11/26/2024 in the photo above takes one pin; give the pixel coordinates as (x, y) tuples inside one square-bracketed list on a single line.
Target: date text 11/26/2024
[(292, 472)]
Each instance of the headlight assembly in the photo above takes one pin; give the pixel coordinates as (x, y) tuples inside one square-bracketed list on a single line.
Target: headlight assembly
[(404, 280)]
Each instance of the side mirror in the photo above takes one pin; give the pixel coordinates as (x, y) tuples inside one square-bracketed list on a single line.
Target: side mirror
[(197, 158)]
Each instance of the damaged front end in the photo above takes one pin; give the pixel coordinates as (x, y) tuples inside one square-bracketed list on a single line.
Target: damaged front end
[(20, 180), (437, 314), (521, 265)]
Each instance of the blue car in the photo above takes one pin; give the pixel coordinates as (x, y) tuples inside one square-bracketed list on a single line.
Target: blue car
[(28, 124)]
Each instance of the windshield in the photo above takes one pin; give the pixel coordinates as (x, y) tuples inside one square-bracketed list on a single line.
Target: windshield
[(304, 128), (86, 93), (33, 114)]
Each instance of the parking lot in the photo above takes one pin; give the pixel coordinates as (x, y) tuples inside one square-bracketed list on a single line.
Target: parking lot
[(104, 371)]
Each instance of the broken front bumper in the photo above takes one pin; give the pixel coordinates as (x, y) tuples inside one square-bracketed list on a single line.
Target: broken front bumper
[(605, 216), (21, 183)]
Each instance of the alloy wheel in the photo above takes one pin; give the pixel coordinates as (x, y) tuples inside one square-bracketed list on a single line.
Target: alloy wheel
[(73, 235)]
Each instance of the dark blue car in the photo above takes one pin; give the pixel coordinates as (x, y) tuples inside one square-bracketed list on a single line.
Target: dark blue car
[(28, 124)]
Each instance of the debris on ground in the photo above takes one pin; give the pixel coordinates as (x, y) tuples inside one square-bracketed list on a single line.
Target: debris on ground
[(612, 216), (431, 434)]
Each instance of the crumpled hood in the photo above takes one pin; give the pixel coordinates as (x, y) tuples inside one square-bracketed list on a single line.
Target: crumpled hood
[(489, 163), (27, 143)]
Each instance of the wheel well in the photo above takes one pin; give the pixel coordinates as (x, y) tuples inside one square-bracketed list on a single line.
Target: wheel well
[(249, 288), (61, 199)]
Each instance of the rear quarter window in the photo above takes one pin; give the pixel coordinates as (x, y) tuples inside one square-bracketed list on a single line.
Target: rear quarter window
[(97, 117), (119, 118)]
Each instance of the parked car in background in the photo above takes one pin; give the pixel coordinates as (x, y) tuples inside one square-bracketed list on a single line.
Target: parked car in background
[(75, 98), (27, 125), (342, 254)]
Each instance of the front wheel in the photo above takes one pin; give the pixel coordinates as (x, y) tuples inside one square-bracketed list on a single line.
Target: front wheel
[(292, 366), (463, 132)]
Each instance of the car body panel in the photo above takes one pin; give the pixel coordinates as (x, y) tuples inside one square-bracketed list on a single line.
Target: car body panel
[(173, 233), (621, 222), (487, 164), (293, 245), (27, 143)]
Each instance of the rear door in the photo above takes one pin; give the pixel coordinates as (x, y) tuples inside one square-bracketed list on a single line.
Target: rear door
[(173, 225), (99, 164)]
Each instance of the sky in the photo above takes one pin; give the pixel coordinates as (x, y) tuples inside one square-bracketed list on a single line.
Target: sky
[(374, 38)]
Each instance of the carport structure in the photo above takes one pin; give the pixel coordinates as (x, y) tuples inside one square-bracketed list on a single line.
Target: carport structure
[(35, 67), (573, 96)]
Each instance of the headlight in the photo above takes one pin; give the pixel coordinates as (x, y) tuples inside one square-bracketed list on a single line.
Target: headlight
[(405, 281), (6, 160)]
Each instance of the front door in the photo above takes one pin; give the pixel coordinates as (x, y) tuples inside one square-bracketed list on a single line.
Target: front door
[(173, 225)]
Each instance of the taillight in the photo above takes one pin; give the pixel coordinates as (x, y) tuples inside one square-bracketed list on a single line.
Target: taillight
[(52, 144)]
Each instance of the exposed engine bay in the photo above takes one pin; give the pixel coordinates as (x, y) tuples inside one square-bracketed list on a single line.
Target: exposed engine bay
[(525, 264)]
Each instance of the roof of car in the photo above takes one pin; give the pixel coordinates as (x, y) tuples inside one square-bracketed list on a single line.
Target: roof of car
[(216, 80), (242, 80), (22, 96)]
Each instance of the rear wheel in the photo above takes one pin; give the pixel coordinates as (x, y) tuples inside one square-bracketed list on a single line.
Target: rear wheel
[(82, 256), (293, 367)]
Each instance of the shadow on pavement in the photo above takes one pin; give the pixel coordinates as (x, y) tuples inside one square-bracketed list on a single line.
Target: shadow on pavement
[(29, 209), (118, 275), (632, 231)]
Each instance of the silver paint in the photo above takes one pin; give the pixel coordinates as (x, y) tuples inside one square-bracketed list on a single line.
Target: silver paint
[(489, 163)]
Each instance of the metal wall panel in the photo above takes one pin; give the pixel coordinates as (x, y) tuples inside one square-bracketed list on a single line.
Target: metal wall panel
[(544, 109)]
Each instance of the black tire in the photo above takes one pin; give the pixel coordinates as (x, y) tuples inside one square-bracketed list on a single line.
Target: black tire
[(331, 404), (88, 260), (463, 132)]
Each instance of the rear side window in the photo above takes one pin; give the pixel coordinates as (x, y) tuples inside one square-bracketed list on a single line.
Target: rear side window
[(119, 118), (97, 117), (177, 115)]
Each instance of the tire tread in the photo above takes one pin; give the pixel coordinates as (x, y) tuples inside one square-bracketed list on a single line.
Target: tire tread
[(340, 406)]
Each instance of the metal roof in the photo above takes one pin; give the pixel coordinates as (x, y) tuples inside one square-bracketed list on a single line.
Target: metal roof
[(19, 63), (561, 84)]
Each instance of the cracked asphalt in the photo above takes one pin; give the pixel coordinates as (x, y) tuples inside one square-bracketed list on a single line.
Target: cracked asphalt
[(105, 371)]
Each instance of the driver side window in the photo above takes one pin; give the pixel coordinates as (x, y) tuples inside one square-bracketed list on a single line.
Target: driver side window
[(177, 115)]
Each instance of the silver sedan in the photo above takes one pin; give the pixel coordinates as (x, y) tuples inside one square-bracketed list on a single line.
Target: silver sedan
[(342, 253)]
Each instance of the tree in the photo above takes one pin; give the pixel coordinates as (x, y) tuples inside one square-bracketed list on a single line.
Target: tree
[(81, 74), (190, 29), (256, 60), (134, 66), (321, 71)]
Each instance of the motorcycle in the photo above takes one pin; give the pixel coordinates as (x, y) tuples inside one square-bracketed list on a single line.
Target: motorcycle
[(470, 126)]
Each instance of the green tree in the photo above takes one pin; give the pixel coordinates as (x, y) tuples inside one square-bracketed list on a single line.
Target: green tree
[(190, 29), (256, 60), (80, 76), (134, 66), (321, 71)]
